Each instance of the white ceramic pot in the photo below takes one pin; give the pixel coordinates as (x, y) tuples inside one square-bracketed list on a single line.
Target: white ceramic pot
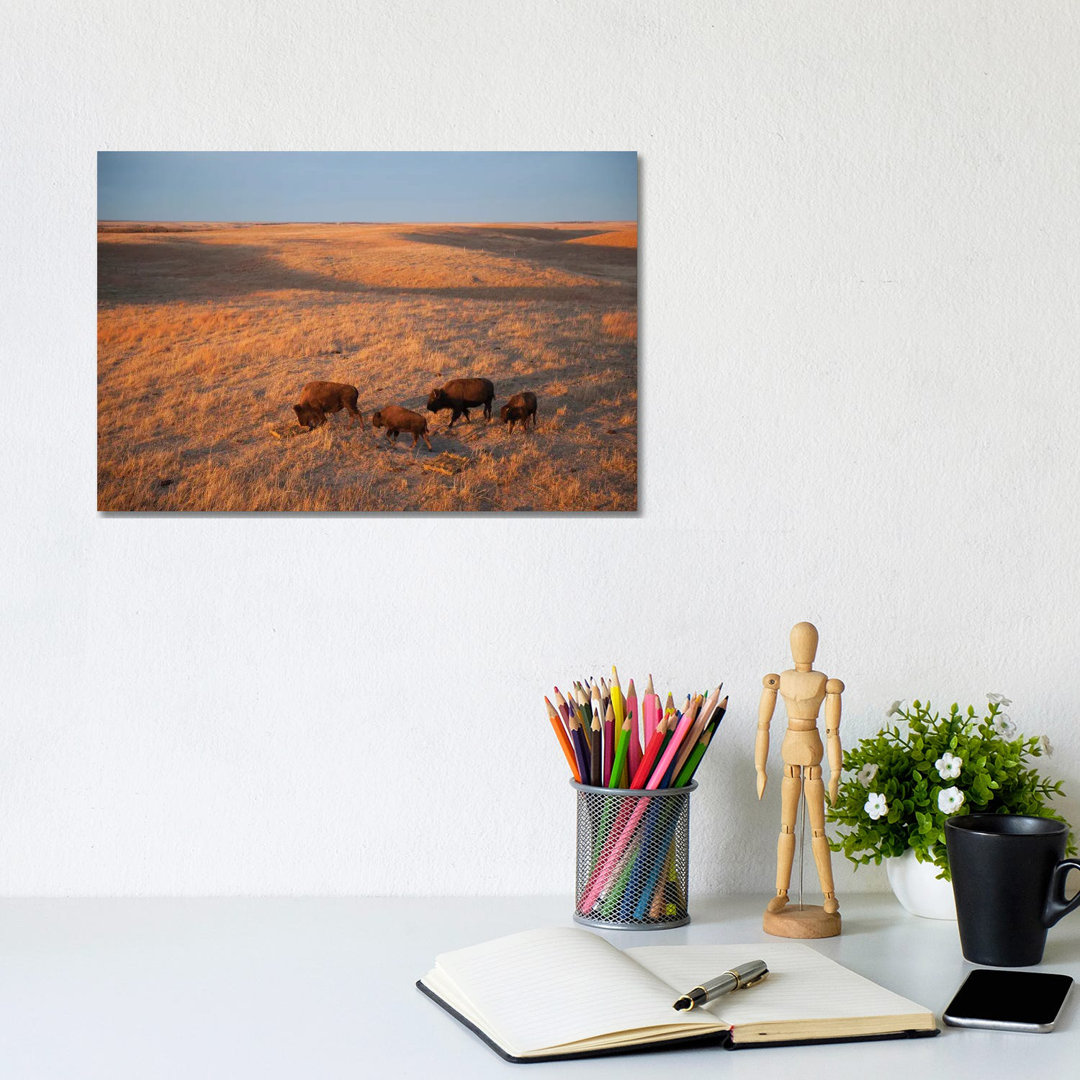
[(917, 886)]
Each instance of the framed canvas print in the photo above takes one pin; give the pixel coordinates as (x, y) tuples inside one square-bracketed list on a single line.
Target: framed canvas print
[(366, 331)]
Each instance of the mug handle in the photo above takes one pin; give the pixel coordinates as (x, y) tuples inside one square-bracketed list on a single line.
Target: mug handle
[(1056, 904)]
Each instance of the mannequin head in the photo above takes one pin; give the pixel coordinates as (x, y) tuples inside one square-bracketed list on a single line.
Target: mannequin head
[(804, 639)]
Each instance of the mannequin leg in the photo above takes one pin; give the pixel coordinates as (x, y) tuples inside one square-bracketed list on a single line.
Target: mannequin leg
[(815, 805), (790, 790)]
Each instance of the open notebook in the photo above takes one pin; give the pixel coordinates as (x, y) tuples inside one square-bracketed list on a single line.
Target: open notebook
[(562, 992)]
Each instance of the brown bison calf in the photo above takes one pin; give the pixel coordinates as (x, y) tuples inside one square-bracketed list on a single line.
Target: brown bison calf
[(396, 419), (520, 407), (461, 395), (319, 398)]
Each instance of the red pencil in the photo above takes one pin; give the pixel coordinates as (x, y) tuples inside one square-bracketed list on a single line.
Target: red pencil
[(649, 756)]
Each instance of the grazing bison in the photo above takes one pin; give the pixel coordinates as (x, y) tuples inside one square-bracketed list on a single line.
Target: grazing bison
[(520, 407), (396, 419), (461, 395), (319, 398)]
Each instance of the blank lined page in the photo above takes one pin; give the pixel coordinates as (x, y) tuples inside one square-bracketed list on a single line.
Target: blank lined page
[(802, 984), (545, 988)]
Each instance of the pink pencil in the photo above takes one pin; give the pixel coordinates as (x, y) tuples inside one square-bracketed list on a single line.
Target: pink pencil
[(603, 874), (609, 743), (702, 718), (650, 710), (635, 728)]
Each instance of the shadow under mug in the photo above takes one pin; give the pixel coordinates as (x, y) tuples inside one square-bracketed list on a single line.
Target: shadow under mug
[(1008, 876)]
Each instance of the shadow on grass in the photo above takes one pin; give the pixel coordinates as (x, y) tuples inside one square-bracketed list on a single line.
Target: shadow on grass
[(181, 268), (547, 247)]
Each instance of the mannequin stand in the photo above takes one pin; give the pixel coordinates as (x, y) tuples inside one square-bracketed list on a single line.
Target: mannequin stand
[(802, 921)]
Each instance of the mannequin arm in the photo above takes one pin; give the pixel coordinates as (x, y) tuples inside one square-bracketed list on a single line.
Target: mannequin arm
[(833, 689), (765, 712)]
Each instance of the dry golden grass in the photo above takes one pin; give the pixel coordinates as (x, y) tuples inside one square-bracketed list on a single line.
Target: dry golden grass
[(626, 238), (621, 325), (206, 334)]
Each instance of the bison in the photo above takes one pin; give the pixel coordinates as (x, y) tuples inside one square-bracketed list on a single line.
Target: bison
[(520, 407), (319, 398), (396, 419), (461, 395)]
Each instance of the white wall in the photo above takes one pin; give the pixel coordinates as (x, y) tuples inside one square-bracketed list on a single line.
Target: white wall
[(858, 388)]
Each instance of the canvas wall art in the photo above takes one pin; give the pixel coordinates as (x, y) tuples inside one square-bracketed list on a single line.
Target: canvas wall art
[(367, 331)]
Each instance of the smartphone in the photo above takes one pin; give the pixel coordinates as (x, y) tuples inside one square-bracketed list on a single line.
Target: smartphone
[(1013, 1000)]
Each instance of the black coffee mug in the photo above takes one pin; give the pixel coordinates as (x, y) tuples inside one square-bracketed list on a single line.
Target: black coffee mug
[(1008, 877)]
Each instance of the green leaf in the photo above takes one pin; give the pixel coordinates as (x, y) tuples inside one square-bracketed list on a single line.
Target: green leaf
[(994, 778)]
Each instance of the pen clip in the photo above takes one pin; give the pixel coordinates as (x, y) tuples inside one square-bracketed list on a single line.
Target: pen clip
[(754, 981)]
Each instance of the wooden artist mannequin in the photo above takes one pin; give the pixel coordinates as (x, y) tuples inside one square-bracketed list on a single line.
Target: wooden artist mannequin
[(803, 691)]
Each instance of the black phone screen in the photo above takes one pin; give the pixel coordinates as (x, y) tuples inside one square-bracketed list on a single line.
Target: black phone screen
[(1014, 999)]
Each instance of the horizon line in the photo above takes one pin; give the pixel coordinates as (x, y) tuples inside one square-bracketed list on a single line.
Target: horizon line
[(344, 221)]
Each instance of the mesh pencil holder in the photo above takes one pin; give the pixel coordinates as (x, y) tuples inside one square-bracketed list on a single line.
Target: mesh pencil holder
[(633, 857)]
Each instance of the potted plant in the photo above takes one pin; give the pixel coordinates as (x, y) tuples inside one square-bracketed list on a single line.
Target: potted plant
[(899, 787)]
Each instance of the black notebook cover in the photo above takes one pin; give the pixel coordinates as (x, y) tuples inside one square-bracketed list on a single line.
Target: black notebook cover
[(716, 1038)]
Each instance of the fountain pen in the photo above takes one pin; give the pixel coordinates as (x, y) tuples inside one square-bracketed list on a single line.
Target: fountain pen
[(738, 978)]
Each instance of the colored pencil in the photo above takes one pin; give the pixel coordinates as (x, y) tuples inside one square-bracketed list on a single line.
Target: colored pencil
[(694, 760), (602, 878), (617, 702), (659, 867), (564, 709), (564, 740), (615, 741), (583, 703), (686, 773), (583, 722), (596, 758), (704, 713), (651, 712), (648, 758), (581, 747), (609, 743), (672, 748), (634, 757), (622, 749)]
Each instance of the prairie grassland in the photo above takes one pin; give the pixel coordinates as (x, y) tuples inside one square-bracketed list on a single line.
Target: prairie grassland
[(206, 335)]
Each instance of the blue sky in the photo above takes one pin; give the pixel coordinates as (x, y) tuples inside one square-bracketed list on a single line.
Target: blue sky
[(367, 186)]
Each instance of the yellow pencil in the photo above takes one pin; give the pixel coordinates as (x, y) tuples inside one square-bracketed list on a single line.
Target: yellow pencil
[(618, 704)]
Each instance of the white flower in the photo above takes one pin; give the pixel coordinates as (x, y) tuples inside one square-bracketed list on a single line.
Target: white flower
[(998, 699), (950, 800), (948, 766), (1047, 748), (866, 774), (895, 709), (876, 806), (1003, 725)]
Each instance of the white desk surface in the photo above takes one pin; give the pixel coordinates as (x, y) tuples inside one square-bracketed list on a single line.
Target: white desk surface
[(324, 988)]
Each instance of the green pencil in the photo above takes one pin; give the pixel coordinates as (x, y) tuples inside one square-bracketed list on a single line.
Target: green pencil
[(622, 749)]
